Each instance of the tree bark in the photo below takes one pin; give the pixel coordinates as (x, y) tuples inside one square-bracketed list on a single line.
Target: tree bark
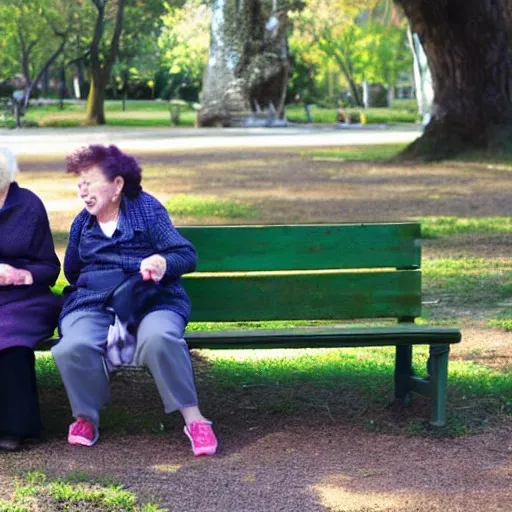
[(25, 50), (100, 68), (44, 69), (96, 101), (247, 69), (467, 47)]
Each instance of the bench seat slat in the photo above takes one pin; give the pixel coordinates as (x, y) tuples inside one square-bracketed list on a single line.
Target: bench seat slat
[(324, 337), (305, 247), (329, 296), (319, 337)]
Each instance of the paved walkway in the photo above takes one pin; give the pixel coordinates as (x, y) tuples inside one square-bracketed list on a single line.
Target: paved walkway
[(33, 141)]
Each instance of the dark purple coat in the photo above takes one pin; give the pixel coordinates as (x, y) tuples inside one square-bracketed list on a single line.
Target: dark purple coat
[(28, 314)]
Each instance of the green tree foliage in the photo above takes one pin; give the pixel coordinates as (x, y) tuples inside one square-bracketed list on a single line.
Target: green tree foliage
[(382, 52), (34, 34), (110, 30), (359, 37), (184, 43), (139, 54)]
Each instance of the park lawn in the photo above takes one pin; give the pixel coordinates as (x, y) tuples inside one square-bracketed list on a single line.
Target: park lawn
[(76, 491), (156, 113), (137, 113)]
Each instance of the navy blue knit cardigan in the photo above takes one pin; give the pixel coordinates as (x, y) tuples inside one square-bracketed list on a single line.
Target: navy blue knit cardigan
[(94, 263)]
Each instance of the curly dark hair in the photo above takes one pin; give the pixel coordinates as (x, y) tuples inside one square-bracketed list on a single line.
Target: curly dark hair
[(112, 162)]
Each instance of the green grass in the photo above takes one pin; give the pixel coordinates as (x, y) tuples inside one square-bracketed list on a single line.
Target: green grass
[(393, 115), (35, 489), (373, 152), (209, 206), (346, 386), (434, 227), (140, 113), (479, 284), (355, 385)]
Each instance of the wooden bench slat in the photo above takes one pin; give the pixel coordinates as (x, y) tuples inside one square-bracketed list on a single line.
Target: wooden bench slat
[(322, 296), (305, 247), (321, 337)]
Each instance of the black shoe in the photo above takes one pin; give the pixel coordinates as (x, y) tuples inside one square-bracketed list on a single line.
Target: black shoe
[(10, 443)]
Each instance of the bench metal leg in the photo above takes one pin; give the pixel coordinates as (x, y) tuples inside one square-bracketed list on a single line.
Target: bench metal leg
[(438, 367), (403, 372)]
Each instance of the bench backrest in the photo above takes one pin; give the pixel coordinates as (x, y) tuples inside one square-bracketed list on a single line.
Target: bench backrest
[(305, 272)]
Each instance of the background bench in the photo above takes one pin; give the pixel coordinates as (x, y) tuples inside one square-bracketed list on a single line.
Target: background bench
[(319, 272)]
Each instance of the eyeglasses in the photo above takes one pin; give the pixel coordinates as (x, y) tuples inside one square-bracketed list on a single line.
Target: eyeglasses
[(89, 184)]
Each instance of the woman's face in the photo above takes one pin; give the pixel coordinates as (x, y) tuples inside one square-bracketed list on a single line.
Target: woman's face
[(101, 197)]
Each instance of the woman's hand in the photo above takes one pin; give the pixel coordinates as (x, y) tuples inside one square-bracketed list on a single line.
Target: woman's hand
[(14, 276), (153, 267)]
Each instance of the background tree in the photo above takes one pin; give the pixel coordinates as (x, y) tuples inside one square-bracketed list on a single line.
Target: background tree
[(248, 60), (383, 54), (468, 51), (365, 40), (31, 48), (138, 54), (100, 56), (184, 41), (330, 26)]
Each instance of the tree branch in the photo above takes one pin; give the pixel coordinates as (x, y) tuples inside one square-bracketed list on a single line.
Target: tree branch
[(98, 33), (25, 55), (79, 58), (114, 43), (47, 64)]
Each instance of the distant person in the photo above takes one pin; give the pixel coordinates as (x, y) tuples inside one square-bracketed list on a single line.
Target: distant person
[(124, 232), (340, 116), (28, 309)]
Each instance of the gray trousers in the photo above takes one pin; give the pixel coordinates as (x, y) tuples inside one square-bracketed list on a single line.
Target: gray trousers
[(80, 353)]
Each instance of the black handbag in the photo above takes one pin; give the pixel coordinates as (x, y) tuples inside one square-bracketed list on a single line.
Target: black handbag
[(134, 298)]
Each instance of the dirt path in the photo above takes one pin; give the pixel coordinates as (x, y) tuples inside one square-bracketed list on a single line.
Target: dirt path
[(306, 469)]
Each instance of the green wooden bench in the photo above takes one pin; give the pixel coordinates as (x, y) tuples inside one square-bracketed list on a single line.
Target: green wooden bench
[(319, 272)]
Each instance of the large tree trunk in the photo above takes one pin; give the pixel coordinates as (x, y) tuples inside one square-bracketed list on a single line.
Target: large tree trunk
[(247, 68), (100, 66), (467, 48), (96, 100)]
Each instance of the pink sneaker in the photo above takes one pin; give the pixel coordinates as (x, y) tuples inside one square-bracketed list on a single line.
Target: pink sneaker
[(201, 437), (83, 433)]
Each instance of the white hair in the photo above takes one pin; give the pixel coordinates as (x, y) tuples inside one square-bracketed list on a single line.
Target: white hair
[(8, 167)]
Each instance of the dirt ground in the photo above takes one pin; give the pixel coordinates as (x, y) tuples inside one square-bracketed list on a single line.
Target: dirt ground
[(313, 464)]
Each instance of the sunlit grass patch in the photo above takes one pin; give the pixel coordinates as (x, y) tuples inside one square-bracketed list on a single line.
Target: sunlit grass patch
[(433, 227), (348, 385), (208, 206), (35, 491), (465, 280), (373, 152), (137, 114), (297, 114), (47, 374), (505, 323), (354, 379)]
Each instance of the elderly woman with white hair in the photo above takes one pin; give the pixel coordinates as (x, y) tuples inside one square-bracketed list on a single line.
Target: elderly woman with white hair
[(28, 309)]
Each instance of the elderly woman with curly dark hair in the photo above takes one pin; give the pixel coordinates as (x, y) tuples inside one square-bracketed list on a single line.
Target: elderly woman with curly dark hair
[(121, 231), (28, 309)]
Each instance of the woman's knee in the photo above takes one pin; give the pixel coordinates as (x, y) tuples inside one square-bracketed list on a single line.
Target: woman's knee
[(71, 349), (159, 344)]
